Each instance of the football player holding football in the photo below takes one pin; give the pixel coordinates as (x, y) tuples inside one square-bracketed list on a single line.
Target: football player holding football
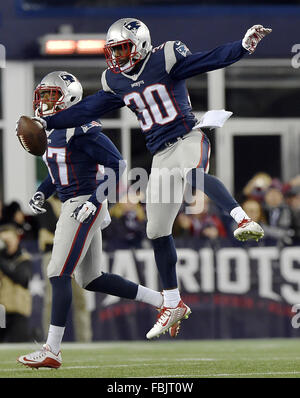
[(151, 82), (74, 158)]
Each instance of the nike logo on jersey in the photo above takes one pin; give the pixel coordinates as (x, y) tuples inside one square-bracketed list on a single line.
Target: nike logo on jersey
[(71, 201), (138, 84)]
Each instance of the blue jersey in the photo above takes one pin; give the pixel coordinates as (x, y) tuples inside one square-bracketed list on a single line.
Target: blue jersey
[(155, 91), (76, 158)]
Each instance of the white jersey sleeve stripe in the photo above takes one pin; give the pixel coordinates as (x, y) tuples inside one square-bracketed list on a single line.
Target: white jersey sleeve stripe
[(105, 86), (170, 58), (70, 133)]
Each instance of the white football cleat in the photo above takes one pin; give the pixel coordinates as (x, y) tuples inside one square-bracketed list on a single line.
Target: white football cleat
[(248, 229), (174, 329), (168, 318), (43, 358)]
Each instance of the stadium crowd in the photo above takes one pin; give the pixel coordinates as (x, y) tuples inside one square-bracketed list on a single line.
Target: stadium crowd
[(272, 203)]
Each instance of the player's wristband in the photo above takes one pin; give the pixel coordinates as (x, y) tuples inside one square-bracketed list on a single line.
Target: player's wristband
[(93, 199)]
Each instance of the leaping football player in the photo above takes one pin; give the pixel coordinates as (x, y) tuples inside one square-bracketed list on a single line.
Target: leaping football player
[(151, 83), (73, 157)]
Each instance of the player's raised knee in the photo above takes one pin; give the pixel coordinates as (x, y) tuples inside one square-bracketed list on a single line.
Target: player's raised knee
[(155, 231)]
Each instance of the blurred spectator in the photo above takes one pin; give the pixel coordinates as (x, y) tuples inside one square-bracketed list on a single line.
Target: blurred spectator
[(15, 274), (293, 183), (203, 224), (277, 212), (81, 314), (257, 186), (182, 224), (13, 214), (278, 215), (293, 200), (254, 210), (128, 227)]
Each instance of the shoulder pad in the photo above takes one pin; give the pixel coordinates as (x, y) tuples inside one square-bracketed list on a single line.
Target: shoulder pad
[(170, 57), (174, 51)]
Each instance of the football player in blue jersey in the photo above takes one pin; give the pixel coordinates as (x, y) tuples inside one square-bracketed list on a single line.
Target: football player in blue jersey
[(74, 158), (151, 82)]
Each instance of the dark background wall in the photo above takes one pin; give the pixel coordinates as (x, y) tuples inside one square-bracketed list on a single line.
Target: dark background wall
[(200, 27)]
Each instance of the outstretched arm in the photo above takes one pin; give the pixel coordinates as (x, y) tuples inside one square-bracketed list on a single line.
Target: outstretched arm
[(90, 108), (188, 64), (220, 57)]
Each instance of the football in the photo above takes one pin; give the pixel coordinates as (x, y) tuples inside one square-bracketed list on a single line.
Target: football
[(32, 136)]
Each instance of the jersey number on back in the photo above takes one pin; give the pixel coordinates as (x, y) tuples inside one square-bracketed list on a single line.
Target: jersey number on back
[(154, 105)]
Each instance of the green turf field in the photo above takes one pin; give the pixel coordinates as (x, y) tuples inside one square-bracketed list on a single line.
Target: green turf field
[(155, 359)]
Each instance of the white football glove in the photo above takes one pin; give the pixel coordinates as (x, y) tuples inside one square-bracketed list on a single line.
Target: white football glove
[(36, 203), (253, 36), (41, 121), (84, 212)]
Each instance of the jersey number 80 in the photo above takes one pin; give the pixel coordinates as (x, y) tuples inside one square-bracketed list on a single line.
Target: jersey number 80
[(154, 105)]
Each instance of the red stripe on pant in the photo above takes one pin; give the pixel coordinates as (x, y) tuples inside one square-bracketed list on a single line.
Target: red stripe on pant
[(74, 241), (208, 156), (200, 161)]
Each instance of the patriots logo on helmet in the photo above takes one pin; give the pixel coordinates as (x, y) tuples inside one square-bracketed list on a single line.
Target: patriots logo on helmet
[(68, 79), (133, 26)]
